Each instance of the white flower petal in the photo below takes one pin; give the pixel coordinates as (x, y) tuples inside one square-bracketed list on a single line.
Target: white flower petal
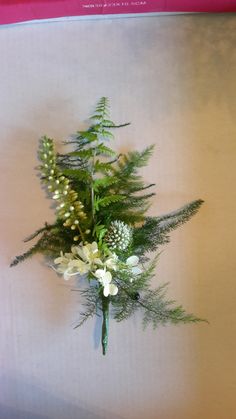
[(67, 276), (132, 261), (111, 263), (69, 255), (113, 290), (110, 289), (105, 281), (60, 259), (57, 261), (104, 277), (85, 253), (74, 250), (78, 266), (99, 273), (107, 277), (61, 269), (80, 252), (94, 247), (136, 270), (98, 261), (106, 290)]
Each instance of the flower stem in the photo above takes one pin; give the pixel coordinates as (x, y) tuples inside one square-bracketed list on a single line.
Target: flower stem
[(105, 323), (92, 202), (81, 234)]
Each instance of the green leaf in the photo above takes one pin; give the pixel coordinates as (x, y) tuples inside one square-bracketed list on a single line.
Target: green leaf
[(104, 182), (83, 154), (102, 167), (101, 110), (107, 123), (79, 174), (89, 136), (96, 117), (107, 151), (100, 231), (155, 230), (136, 159), (106, 134), (106, 201)]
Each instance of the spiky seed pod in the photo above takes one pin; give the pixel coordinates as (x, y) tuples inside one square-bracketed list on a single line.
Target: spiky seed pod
[(118, 235)]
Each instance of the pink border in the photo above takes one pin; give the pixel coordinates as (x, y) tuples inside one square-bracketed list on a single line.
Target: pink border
[(13, 11)]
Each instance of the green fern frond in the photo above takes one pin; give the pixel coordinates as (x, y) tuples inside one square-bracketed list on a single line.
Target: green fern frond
[(106, 201), (88, 135), (106, 134), (101, 167), (106, 151), (174, 219), (91, 304), (108, 123), (83, 154), (32, 236), (159, 310), (104, 182), (78, 174), (21, 258), (155, 230), (134, 160), (101, 110)]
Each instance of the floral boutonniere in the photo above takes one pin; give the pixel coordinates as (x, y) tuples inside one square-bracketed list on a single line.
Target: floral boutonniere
[(101, 228)]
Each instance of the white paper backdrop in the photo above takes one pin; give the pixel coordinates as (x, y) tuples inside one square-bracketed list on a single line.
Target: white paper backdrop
[(174, 78)]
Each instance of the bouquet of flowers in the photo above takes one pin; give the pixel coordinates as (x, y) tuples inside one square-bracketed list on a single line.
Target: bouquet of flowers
[(101, 230)]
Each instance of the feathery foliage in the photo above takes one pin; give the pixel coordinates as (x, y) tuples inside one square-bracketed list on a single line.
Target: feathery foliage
[(155, 230)]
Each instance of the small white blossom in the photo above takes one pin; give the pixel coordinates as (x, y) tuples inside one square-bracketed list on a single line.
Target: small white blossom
[(63, 262), (132, 263), (105, 278), (88, 253), (111, 262), (77, 266), (88, 258)]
